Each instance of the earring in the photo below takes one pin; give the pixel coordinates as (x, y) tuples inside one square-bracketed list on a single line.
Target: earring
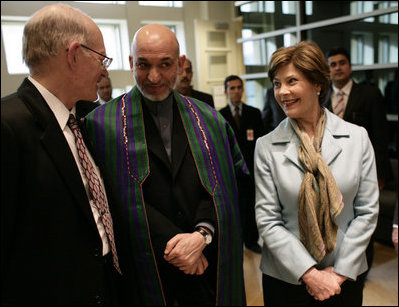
[(318, 93)]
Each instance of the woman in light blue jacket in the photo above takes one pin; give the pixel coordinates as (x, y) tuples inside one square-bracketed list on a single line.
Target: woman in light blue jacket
[(316, 190)]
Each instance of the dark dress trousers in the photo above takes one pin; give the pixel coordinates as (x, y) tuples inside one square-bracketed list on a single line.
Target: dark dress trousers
[(251, 128), (176, 201), (51, 251)]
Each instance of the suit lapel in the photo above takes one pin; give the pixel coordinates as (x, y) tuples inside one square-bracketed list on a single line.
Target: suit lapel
[(60, 153), (55, 145), (292, 155), (330, 149), (226, 112), (352, 102)]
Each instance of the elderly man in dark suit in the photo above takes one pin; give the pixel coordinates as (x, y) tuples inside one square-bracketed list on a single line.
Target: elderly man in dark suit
[(247, 124), (61, 240)]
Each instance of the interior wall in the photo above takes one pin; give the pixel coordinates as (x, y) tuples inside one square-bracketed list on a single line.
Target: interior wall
[(217, 11)]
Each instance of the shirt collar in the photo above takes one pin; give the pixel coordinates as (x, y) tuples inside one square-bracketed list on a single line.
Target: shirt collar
[(232, 107), (160, 108), (346, 89), (59, 110)]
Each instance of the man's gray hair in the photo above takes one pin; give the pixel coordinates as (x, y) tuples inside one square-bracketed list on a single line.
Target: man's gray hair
[(50, 31)]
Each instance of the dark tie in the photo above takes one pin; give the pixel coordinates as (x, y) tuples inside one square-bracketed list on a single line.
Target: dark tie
[(96, 188), (237, 116), (340, 106)]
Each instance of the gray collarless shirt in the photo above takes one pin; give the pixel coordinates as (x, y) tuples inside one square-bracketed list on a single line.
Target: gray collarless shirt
[(162, 114)]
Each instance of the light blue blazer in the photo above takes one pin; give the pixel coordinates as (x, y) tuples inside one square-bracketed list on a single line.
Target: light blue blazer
[(347, 150)]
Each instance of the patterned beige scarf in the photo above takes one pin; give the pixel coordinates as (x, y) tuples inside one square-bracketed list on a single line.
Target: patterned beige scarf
[(320, 200)]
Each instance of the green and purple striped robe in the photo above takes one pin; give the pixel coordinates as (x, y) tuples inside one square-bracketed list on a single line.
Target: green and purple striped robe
[(117, 132)]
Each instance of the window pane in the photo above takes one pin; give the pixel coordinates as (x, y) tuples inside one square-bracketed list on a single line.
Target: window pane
[(12, 36), (368, 43), (162, 3), (12, 32), (259, 18), (257, 53), (322, 10), (255, 90), (104, 2), (112, 45)]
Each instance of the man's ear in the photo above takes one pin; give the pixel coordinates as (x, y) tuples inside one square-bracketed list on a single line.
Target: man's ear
[(72, 54), (180, 63), (131, 62)]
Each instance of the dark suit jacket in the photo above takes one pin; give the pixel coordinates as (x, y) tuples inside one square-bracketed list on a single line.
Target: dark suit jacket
[(366, 108), (176, 201), (251, 120), (203, 97), (272, 113), (51, 251), (84, 107)]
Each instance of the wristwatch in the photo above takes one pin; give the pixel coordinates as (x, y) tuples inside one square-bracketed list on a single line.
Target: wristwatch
[(207, 235)]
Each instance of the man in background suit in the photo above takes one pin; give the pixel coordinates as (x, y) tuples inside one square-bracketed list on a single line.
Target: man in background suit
[(184, 87), (363, 105), (55, 245), (272, 113), (248, 126), (104, 90)]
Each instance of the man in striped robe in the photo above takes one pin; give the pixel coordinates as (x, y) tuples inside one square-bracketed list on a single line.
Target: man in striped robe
[(174, 161)]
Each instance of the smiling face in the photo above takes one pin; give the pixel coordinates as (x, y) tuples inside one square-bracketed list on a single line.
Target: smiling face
[(297, 96), (155, 61)]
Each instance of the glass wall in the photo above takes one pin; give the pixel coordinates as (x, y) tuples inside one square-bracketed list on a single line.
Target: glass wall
[(368, 29)]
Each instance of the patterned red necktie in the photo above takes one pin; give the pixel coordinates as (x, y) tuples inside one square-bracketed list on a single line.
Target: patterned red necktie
[(96, 188), (340, 106)]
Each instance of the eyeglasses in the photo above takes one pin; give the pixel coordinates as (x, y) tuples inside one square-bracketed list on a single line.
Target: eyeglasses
[(105, 62)]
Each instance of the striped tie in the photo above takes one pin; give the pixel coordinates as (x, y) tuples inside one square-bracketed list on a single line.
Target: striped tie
[(96, 189), (340, 106)]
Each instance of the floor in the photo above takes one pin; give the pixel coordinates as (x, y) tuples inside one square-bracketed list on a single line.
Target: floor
[(381, 287)]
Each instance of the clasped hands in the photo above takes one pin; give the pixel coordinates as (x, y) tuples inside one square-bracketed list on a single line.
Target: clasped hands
[(184, 251), (322, 284)]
